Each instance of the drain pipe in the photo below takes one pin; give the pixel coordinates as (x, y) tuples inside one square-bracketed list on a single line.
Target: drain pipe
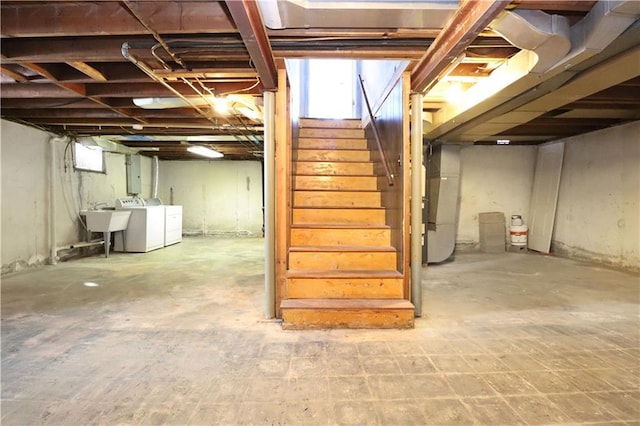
[(53, 211), (269, 205), (416, 202), (155, 177)]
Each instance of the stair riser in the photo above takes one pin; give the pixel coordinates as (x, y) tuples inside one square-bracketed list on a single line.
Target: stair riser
[(319, 143), (331, 199), (304, 319), (360, 261), (345, 288), (329, 124), (337, 237), (339, 216), (331, 155), (331, 133), (330, 168), (349, 183)]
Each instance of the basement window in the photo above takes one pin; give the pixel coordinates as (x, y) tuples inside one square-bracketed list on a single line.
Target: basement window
[(88, 158)]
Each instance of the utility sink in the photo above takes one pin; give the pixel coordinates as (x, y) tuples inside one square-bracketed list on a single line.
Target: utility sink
[(106, 221)]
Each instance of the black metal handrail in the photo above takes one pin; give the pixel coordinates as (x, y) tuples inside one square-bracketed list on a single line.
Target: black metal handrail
[(385, 163)]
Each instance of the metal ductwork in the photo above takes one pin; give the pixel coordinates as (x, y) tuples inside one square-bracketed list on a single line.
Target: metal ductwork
[(443, 187), (550, 55), (280, 14), (534, 31)]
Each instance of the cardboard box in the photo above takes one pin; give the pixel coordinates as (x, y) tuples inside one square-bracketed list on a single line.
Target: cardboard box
[(492, 232)]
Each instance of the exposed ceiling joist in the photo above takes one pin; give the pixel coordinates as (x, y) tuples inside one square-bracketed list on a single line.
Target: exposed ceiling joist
[(63, 69), (88, 18), (14, 75), (470, 19), (248, 19), (88, 70)]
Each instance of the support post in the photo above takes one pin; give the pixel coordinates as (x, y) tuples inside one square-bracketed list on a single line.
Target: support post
[(269, 204), (416, 202), (53, 255)]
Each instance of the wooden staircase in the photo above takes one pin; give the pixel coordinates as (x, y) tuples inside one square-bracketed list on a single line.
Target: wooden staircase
[(342, 270)]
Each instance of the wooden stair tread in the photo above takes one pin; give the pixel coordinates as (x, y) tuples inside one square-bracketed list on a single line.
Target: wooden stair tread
[(347, 304), (331, 149), (351, 249), (337, 175), (345, 191), (339, 273), (337, 226), (337, 208), (348, 123)]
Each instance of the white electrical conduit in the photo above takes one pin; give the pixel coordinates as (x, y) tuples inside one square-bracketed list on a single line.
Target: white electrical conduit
[(154, 184), (53, 212)]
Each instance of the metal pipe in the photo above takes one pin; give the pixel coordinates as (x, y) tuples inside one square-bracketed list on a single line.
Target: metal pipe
[(53, 210), (269, 208), (416, 203), (155, 34), (145, 68)]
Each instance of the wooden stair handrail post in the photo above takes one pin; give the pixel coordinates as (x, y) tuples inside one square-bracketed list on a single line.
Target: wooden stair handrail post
[(385, 163)]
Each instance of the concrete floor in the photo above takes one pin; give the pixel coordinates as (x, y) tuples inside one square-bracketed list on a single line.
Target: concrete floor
[(177, 336)]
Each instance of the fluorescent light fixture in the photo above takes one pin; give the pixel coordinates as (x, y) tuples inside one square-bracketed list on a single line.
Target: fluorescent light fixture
[(503, 141), (250, 113), (204, 151)]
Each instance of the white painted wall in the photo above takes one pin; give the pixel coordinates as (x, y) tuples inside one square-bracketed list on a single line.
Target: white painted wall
[(26, 194), (219, 197), (25, 202), (598, 214), (493, 179)]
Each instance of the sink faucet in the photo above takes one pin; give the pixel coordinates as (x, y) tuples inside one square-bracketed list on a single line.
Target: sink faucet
[(95, 206)]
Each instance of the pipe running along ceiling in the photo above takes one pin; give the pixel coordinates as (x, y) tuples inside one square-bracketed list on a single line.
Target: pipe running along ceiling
[(158, 74)]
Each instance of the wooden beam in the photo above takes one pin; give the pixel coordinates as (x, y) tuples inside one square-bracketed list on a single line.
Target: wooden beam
[(40, 90), (89, 18), (358, 33), (141, 90), (283, 154), (349, 53), (86, 49), (248, 19), (14, 75), (203, 74), (556, 5), (88, 70), (472, 17)]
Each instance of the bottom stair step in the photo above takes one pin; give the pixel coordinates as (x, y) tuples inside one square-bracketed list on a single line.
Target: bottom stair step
[(337, 284), (302, 314)]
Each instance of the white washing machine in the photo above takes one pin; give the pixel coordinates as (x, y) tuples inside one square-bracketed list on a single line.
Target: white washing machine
[(172, 221), (172, 225), (145, 231)]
